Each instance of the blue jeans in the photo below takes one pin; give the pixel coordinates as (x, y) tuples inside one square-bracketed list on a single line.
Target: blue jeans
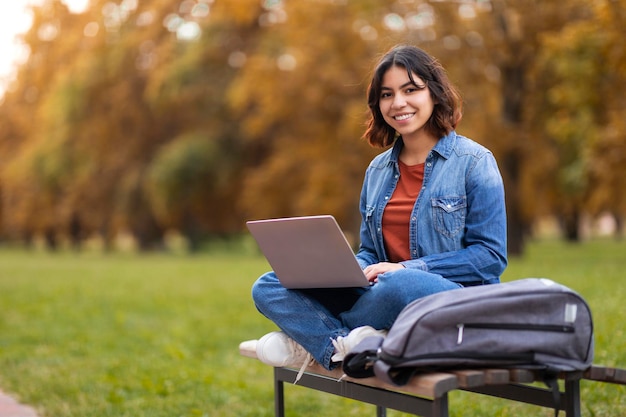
[(313, 317)]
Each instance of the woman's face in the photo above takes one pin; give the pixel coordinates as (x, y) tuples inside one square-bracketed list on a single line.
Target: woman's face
[(405, 106)]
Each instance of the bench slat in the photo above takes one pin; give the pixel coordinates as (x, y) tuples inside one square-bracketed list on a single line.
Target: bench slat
[(432, 385), (496, 376), (470, 378), (523, 376), (606, 374)]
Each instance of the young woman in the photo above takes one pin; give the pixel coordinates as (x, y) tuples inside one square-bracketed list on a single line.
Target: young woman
[(432, 219)]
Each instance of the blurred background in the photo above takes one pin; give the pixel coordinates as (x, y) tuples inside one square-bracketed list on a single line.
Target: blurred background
[(143, 120)]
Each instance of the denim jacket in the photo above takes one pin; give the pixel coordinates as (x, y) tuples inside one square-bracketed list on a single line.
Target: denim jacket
[(458, 224)]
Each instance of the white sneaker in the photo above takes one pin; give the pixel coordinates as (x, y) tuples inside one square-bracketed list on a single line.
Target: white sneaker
[(344, 344), (248, 348), (278, 350)]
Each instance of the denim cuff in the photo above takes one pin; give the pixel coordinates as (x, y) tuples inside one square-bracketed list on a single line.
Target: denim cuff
[(415, 264)]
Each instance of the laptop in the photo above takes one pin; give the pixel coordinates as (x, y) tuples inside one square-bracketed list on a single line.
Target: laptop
[(308, 252)]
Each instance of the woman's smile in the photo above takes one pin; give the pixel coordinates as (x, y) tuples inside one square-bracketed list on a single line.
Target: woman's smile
[(404, 116)]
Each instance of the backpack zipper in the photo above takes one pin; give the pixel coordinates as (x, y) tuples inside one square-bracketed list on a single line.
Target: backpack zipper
[(562, 328)]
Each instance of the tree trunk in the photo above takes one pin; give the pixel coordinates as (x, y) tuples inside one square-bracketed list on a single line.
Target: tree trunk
[(512, 88), (50, 237), (570, 223), (516, 225), (191, 231)]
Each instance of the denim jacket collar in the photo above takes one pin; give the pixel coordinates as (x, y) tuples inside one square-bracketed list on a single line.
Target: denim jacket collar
[(443, 147)]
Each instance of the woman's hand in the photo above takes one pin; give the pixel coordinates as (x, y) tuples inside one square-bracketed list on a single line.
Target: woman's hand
[(373, 271)]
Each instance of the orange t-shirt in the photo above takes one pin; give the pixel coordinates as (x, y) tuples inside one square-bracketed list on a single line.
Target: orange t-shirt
[(398, 212)]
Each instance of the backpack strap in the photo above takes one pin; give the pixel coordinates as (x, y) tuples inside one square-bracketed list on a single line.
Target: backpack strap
[(550, 378), (359, 362)]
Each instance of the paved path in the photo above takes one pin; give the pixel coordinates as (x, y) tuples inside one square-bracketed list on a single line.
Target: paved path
[(11, 408)]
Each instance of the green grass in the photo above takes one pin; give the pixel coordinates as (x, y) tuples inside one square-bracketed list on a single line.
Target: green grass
[(118, 335)]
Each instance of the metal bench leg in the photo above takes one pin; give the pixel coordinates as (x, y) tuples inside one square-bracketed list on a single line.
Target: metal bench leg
[(279, 396), (572, 398), (381, 411), (440, 406)]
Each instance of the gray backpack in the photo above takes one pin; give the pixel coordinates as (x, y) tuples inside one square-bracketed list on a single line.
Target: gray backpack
[(532, 323)]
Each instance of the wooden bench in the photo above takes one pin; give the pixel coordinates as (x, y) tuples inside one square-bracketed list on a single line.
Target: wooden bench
[(427, 394)]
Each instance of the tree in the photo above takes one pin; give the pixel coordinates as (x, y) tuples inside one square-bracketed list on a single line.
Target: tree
[(513, 34), (305, 117), (607, 175), (35, 174), (197, 114), (567, 71)]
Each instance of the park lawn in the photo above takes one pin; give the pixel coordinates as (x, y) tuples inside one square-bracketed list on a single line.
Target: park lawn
[(156, 335)]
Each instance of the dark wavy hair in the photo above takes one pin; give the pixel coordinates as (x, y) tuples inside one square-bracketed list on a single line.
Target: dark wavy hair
[(448, 104)]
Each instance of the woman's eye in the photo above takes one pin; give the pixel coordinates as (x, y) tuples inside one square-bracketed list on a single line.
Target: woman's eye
[(385, 95), (415, 88)]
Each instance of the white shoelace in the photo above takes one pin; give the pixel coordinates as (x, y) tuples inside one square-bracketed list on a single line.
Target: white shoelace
[(340, 349), (307, 362)]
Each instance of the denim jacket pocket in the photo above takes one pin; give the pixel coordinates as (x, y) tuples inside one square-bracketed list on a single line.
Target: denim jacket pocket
[(449, 214)]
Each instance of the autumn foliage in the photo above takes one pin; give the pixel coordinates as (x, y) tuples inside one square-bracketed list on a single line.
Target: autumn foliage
[(148, 116)]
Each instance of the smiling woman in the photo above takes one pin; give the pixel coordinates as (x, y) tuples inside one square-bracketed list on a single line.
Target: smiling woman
[(425, 205)]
